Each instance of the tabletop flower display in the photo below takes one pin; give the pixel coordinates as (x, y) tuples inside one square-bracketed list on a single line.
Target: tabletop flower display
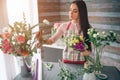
[(17, 39), (99, 40)]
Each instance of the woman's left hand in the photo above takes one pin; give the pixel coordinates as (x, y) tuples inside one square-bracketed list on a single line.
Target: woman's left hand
[(86, 53)]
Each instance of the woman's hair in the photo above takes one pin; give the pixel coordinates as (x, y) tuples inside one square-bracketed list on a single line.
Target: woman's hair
[(83, 17)]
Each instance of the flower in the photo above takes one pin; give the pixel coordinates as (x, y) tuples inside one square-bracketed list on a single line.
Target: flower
[(99, 40), (54, 28), (18, 39), (76, 42), (46, 21), (104, 39)]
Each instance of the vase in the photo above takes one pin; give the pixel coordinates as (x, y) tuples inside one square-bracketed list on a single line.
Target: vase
[(98, 51), (24, 65), (89, 76)]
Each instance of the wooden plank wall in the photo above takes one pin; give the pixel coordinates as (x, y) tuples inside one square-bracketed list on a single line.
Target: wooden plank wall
[(49, 9)]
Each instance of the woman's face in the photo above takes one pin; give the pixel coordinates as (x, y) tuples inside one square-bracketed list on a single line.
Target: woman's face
[(73, 13)]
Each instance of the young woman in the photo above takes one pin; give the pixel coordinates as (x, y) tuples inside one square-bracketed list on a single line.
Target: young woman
[(78, 24)]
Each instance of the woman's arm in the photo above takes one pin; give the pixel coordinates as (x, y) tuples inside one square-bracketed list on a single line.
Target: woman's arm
[(52, 39)]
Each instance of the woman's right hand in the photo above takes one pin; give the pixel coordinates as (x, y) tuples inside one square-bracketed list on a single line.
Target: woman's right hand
[(39, 37)]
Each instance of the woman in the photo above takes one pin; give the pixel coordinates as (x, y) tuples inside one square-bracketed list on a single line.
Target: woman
[(78, 24)]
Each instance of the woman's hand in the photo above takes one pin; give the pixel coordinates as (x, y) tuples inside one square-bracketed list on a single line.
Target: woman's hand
[(86, 53), (39, 37)]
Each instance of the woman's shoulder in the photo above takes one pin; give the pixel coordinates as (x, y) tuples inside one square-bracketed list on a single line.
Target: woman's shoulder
[(64, 23), (63, 26)]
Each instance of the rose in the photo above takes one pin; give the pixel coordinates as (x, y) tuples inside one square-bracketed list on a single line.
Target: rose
[(7, 47), (24, 53), (6, 35), (20, 39)]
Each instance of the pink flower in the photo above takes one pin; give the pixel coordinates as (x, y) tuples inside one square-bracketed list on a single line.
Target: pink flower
[(6, 35), (7, 46), (56, 25), (79, 46), (20, 39), (0, 46)]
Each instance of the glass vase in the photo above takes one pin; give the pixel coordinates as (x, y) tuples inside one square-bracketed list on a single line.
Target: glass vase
[(98, 51), (24, 65)]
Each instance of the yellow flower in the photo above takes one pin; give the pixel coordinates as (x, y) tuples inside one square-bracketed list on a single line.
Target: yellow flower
[(81, 37), (76, 41)]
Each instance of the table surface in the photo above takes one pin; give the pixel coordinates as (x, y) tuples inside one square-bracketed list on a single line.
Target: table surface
[(112, 72), (19, 77)]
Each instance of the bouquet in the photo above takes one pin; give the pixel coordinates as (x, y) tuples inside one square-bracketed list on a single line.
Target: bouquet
[(75, 50), (99, 40), (18, 40), (76, 42)]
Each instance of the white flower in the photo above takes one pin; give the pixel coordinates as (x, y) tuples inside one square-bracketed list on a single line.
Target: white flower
[(103, 32), (94, 35), (6, 29), (13, 43), (98, 34), (104, 35), (111, 31), (46, 21), (88, 32)]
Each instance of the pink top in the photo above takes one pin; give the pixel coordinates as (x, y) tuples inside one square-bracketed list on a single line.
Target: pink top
[(74, 27)]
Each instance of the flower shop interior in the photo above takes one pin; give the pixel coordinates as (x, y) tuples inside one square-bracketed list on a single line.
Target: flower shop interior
[(104, 15)]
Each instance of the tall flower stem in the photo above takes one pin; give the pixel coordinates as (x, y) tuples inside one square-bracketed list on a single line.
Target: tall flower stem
[(98, 54)]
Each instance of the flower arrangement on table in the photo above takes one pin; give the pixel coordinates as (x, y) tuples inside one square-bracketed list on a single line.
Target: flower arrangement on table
[(99, 40), (75, 48), (92, 64), (17, 39)]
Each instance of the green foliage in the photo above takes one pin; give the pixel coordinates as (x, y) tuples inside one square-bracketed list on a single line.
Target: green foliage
[(65, 73), (49, 66), (101, 38), (53, 31)]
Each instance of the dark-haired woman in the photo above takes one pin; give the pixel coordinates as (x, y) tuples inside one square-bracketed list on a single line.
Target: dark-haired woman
[(78, 24)]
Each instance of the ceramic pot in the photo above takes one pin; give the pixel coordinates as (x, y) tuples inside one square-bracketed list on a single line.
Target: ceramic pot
[(89, 76)]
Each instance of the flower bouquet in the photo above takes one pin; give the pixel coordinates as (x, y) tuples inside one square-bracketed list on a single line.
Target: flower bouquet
[(75, 47), (17, 39), (99, 40)]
